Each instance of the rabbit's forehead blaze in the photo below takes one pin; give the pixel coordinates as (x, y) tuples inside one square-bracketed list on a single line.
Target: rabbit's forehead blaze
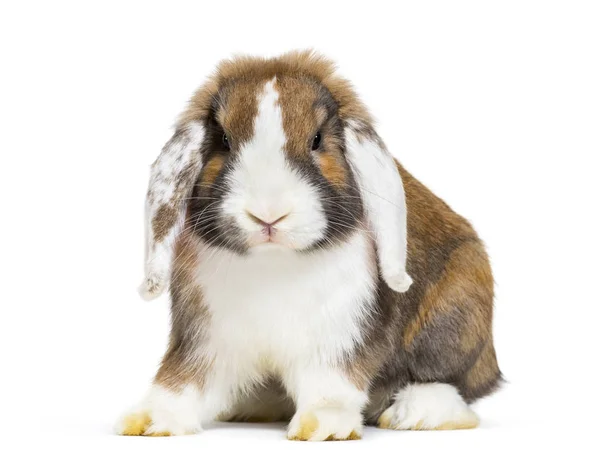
[(281, 115), (298, 100)]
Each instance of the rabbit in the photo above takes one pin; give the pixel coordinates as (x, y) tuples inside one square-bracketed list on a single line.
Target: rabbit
[(312, 279)]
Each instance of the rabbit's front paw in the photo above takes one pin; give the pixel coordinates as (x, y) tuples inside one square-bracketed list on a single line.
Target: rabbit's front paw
[(163, 413), (326, 423)]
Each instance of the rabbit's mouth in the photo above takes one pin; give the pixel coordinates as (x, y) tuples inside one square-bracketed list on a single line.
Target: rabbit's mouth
[(271, 237)]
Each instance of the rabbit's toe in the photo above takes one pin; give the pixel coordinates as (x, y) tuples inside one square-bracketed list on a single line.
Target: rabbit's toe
[(140, 423)]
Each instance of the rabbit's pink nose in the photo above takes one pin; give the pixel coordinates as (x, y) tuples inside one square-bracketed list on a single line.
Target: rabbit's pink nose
[(265, 221)]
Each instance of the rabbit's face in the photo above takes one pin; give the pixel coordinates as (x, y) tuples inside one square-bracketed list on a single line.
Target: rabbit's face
[(274, 171)]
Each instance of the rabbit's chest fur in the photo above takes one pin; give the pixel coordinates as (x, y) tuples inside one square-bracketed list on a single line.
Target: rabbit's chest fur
[(275, 309)]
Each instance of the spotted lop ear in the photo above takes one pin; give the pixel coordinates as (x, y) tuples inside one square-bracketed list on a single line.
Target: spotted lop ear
[(382, 192), (172, 178)]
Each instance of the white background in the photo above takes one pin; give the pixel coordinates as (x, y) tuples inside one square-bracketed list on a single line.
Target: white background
[(493, 105)]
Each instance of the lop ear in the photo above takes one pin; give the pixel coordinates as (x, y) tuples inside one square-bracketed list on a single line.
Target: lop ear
[(384, 202), (172, 178)]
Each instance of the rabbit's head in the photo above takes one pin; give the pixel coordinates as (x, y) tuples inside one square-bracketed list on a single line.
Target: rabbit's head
[(276, 153)]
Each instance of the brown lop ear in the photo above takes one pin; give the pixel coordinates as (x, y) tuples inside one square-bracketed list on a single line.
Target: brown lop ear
[(382, 192), (172, 178)]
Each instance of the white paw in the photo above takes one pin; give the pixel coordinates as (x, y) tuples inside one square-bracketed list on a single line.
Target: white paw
[(162, 413), (326, 423), (434, 406), (398, 281)]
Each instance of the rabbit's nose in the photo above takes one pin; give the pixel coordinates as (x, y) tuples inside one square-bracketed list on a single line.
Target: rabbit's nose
[(266, 220)]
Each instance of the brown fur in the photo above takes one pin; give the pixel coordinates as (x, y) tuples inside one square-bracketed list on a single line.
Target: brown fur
[(188, 321), (333, 169), (211, 170), (483, 375), (465, 275), (163, 221), (237, 109), (299, 114)]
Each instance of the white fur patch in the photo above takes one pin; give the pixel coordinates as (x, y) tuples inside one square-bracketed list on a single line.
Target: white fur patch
[(428, 406), (276, 308), (173, 413), (295, 315), (383, 195)]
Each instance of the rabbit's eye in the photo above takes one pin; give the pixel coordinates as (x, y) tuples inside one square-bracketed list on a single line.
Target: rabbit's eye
[(316, 143), (225, 141)]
